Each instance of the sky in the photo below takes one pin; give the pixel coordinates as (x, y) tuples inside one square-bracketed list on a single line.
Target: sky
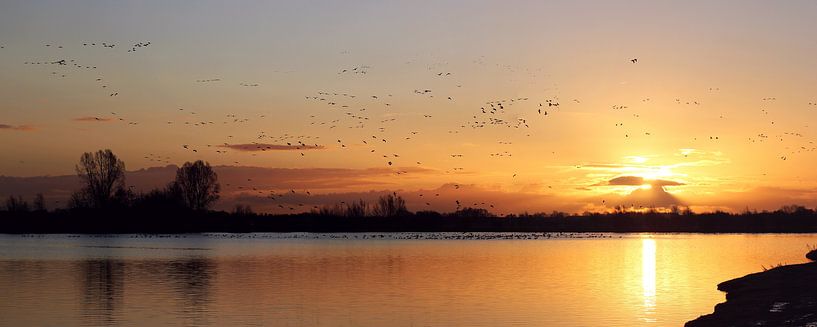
[(508, 105)]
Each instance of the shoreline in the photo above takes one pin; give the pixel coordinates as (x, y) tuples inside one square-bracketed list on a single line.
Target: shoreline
[(186, 221), (545, 232), (780, 296)]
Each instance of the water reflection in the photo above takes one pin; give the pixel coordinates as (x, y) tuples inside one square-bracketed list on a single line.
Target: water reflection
[(648, 277), (102, 289), (62, 281), (106, 281), (192, 280)]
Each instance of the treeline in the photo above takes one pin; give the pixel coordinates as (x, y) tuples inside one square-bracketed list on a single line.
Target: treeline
[(104, 204), (139, 220), (102, 176)]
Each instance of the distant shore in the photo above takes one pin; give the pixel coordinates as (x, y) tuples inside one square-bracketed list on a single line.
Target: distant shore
[(185, 221), (781, 296)]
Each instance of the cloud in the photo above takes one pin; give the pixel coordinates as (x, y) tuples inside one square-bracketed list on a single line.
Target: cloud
[(758, 198), (92, 119), (638, 181), (638, 199), (443, 199), (24, 128), (325, 179), (626, 180), (663, 182), (271, 147), (234, 180), (651, 197), (267, 188)]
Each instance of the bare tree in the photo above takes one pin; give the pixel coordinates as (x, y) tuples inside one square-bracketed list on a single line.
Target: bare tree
[(39, 202), (389, 206), (357, 209), (103, 175), (197, 185), (243, 210), (16, 204)]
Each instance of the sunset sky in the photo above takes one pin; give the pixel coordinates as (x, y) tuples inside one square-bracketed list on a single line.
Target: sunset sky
[(523, 105)]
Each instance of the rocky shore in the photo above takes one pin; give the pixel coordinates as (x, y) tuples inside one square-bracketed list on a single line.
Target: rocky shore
[(782, 296)]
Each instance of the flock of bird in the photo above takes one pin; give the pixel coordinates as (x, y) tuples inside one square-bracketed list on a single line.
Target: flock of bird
[(377, 126), (349, 236)]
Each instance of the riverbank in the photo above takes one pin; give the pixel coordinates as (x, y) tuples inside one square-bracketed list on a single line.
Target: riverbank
[(781, 296), (135, 220)]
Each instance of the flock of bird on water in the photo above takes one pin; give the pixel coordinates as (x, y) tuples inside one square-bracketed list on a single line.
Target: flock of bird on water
[(369, 115), (361, 236)]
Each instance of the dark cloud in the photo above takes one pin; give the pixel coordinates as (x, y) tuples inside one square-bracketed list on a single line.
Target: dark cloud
[(92, 119), (271, 147), (443, 199), (233, 179), (759, 198), (57, 189), (651, 197), (626, 180), (328, 179), (254, 185), (638, 181), (638, 199), (662, 182), (24, 128)]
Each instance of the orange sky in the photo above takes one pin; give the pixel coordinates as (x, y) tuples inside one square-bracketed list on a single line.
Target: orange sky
[(716, 113)]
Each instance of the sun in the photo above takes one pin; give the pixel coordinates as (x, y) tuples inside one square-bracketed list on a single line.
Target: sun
[(645, 186)]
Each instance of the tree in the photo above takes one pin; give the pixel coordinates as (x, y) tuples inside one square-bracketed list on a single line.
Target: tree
[(197, 185), (16, 204), (389, 206), (357, 209), (103, 176), (159, 200), (39, 202), (469, 212), (243, 210)]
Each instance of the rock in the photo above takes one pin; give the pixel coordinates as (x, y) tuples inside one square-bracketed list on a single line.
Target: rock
[(812, 255), (783, 296)]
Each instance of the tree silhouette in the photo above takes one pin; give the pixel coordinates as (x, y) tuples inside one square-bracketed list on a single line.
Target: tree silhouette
[(389, 206), (39, 202), (16, 204), (103, 176), (160, 200), (357, 209), (197, 184), (243, 210), (469, 212)]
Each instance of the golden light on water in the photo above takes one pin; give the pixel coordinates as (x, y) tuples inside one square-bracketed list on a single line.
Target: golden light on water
[(648, 276), (553, 282)]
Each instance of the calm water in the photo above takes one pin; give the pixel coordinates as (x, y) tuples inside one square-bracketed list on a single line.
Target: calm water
[(278, 280)]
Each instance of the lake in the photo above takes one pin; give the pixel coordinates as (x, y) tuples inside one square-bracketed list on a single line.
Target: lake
[(403, 279)]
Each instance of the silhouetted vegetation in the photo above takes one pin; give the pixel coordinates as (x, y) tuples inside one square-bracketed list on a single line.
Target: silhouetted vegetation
[(390, 206), (104, 205), (16, 204), (103, 178), (157, 211), (242, 210), (39, 202), (197, 185)]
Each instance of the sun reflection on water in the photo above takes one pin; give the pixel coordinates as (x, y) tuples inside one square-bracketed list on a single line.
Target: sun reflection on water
[(648, 277)]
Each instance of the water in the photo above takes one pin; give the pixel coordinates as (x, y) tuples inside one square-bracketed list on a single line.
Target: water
[(318, 280)]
